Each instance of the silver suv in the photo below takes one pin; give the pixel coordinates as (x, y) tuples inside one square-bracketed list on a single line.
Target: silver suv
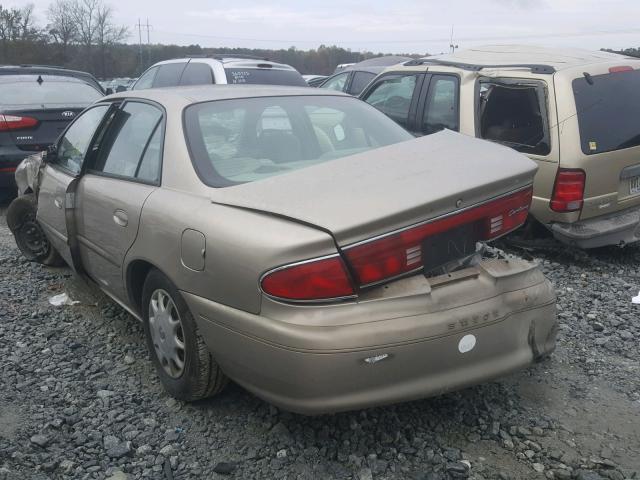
[(218, 70)]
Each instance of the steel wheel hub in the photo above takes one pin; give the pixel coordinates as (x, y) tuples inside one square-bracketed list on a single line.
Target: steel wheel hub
[(33, 237), (166, 333)]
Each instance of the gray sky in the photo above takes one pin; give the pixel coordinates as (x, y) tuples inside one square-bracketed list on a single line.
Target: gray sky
[(408, 26)]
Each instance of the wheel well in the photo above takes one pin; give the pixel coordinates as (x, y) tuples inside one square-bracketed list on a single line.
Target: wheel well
[(136, 274)]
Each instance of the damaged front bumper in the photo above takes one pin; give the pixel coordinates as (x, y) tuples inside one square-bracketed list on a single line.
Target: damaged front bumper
[(619, 228), (27, 174), (410, 339)]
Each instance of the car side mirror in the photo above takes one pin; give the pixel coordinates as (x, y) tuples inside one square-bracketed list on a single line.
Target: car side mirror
[(52, 151), (108, 91)]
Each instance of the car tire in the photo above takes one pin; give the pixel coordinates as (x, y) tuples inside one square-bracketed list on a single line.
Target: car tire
[(184, 364), (30, 238)]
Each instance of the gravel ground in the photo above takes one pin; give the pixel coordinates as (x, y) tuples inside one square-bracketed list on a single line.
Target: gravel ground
[(79, 398)]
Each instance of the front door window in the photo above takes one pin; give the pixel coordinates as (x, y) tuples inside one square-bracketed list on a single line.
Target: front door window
[(74, 144), (392, 96)]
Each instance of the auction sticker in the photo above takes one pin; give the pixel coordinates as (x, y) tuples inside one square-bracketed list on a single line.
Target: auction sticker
[(467, 343)]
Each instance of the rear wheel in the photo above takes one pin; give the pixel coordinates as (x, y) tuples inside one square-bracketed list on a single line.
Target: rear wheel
[(30, 238), (184, 364)]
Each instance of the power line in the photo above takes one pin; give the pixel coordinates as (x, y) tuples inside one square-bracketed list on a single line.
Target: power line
[(140, 26), (537, 35)]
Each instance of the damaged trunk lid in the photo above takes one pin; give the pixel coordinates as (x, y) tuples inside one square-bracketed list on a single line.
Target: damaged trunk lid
[(369, 194)]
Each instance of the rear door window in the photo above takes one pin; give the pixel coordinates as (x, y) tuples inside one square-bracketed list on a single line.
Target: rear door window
[(441, 107), (515, 114), (608, 111), (392, 95), (197, 73), (169, 74), (359, 81), (132, 146)]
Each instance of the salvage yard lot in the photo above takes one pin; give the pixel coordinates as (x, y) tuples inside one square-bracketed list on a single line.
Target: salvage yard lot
[(80, 399)]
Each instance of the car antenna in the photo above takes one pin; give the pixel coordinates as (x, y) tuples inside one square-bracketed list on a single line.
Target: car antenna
[(588, 77), (39, 80)]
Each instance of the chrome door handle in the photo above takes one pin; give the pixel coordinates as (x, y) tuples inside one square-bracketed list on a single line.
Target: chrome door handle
[(57, 202), (120, 218)]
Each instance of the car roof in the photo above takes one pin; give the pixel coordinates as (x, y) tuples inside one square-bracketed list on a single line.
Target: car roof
[(377, 63), (206, 93), (559, 58), (230, 61), (543, 59), (32, 77), (49, 71)]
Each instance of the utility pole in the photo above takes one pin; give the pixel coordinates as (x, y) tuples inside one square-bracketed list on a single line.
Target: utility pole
[(148, 40), (139, 25)]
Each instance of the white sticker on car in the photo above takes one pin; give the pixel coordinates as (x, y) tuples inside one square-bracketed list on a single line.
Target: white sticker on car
[(467, 343)]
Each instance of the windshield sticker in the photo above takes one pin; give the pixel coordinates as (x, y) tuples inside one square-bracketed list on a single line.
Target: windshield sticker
[(593, 146), (240, 76)]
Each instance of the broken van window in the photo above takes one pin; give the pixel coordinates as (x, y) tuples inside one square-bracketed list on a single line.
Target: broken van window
[(514, 115)]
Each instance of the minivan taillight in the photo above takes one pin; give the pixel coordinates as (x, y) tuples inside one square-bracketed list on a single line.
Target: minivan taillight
[(568, 190), (399, 253), (318, 279), (16, 122)]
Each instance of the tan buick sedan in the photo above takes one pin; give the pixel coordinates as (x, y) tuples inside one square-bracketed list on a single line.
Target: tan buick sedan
[(295, 240)]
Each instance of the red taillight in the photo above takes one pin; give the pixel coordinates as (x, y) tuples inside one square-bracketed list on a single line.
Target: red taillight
[(15, 122), (568, 191), (321, 279), (620, 69), (400, 253)]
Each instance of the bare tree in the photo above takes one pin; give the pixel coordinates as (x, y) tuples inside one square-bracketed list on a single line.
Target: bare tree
[(27, 24), (84, 16), (62, 26), (107, 33), (10, 21), (95, 25)]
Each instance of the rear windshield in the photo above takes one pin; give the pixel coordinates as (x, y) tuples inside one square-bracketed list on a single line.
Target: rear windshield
[(47, 93), (608, 109), (265, 76), (245, 140)]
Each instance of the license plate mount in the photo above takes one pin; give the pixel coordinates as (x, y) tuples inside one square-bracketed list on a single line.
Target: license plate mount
[(454, 244)]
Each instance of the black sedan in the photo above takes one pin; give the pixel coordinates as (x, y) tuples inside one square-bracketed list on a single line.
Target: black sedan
[(36, 105)]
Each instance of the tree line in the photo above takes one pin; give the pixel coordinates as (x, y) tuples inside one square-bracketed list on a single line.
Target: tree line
[(631, 52)]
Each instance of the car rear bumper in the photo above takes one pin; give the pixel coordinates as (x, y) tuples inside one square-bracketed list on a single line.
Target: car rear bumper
[(381, 356), (7, 177), (619, 228)]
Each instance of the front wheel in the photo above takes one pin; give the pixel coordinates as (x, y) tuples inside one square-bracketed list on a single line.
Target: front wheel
[(184, 364), (30, 238)]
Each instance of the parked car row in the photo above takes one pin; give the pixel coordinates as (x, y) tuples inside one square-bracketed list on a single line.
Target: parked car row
[(328, 252)]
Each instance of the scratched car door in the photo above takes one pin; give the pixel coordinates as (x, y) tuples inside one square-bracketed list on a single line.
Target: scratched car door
[(124, 172)]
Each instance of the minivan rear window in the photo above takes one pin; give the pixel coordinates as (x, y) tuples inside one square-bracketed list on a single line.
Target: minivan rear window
[(264, 76), (608, 109)]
